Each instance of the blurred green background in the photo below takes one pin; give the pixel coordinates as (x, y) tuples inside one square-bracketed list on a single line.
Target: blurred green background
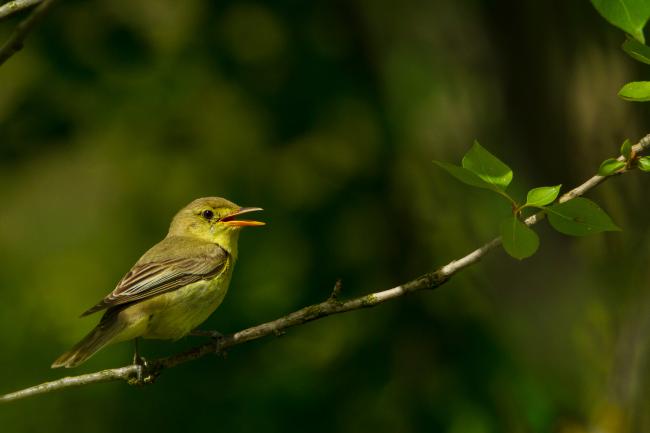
[(327, 114)]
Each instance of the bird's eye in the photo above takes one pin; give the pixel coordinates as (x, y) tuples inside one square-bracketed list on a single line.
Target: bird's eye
[(207, 214)]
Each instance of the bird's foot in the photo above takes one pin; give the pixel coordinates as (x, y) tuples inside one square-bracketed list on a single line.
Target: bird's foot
[(139, 360), (145, 372), (142, 376), (216, 336)]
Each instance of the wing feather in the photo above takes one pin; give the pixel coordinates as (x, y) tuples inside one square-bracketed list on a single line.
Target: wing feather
[(151, 278)]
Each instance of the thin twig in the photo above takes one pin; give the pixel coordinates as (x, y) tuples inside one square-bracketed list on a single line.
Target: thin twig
[(16, 6), (17, 38), (135, 374), (336, 291), (123, 373)]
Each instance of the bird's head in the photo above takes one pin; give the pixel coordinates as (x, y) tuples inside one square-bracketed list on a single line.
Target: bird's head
[(213, 219)]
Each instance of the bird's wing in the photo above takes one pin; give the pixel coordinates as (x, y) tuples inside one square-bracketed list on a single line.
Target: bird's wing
[(151, 278)]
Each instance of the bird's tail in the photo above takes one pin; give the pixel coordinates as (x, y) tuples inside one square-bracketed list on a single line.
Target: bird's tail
[(99, 337)]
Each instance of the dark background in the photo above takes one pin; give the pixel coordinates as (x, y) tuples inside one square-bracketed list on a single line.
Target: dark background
[(327, 114)]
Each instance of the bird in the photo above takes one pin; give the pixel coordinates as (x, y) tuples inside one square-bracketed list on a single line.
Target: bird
[(175, 286)]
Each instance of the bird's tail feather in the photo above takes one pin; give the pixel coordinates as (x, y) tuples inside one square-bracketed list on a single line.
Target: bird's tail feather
[(99, 337)]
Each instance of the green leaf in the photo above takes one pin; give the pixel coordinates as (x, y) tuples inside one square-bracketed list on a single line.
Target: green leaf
[(610, 166), (637, 50), (644, 163), (626, 149), (543, 195), (579, 217), (628, 15), (637, 91), (464, 175), (487, 166), (519, 240)]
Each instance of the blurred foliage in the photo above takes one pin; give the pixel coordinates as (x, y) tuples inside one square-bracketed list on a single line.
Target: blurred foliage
[(328, 114)]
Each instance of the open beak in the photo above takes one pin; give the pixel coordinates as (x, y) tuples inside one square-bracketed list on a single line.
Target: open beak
[(231, 221)]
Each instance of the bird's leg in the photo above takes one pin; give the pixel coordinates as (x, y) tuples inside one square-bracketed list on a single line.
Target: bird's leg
[(215, 335), (138, 360)]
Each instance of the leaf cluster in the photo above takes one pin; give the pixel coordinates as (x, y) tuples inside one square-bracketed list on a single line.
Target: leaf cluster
[(631, 16), (627, 160), (576, 217)]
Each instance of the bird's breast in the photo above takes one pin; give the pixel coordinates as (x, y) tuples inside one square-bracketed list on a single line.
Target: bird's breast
[(174, 314)]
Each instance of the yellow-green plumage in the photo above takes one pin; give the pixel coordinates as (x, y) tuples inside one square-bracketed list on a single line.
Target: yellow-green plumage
[(175, 286), (173, 315)]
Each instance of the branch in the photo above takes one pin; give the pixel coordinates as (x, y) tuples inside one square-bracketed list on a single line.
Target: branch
[(17, 38), (16, 6), (144, 374)]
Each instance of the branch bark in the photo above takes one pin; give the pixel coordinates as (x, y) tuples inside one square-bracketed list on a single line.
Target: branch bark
[(144, 374), (12, 7), (17, 38)]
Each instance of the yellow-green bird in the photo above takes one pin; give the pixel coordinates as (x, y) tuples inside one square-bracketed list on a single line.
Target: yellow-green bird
[(175, 285)]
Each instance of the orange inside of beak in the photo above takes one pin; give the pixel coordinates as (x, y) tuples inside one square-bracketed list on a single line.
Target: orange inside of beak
[(244, 223), (229, 219)]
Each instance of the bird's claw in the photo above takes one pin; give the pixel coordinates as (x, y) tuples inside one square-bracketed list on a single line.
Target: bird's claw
[(139, 360), (142, 374)]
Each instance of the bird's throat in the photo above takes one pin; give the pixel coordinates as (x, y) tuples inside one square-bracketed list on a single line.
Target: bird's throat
[(228, 240)]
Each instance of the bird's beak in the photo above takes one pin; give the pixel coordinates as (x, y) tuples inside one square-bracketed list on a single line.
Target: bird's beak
[(231, 221)]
